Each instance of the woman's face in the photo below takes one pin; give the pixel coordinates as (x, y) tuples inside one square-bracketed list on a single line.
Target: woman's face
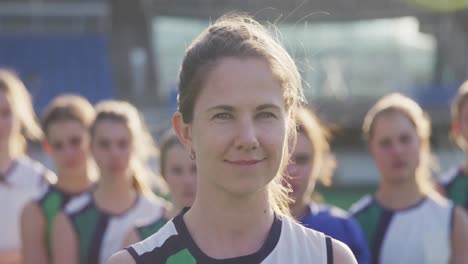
[(395, 147), (239, 127), (112, 148), (69, 145), (181, 176), (300, 169)]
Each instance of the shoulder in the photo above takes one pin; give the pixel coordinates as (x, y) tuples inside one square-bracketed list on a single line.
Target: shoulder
[(436, 201), (294, 231), (32, 213), (333, 211), (32, 210), (121, 257), (460, 220), (31, 168), (341, 253), (361, 205), (166, 237)]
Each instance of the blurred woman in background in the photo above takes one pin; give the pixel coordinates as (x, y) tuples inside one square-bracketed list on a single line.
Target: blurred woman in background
[(66, 122), (21, 178), (93, 226), (406, 220), (454, 183), (312, 161), (180, 173)]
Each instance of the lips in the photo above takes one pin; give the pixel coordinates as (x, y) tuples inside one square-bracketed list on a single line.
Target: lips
[(245, 162)]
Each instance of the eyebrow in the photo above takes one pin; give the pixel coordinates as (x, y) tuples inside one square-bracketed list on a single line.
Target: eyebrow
[(231, 108)]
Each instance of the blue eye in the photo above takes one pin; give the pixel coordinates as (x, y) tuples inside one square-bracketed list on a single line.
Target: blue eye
[(266, 115), (222, 116)]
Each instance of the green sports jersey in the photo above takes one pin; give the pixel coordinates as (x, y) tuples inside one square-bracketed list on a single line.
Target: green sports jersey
[(52, 202), (287, 242), (419, 233), (100, 233), (455, 185)]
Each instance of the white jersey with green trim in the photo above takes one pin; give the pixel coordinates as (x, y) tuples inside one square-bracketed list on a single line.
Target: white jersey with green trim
[(23, 181), (418, 234), (287, 242)]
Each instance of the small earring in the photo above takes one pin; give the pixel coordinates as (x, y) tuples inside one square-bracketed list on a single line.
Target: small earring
[(192, 154)]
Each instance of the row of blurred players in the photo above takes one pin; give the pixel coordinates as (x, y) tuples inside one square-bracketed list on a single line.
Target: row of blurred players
[(101, 201)]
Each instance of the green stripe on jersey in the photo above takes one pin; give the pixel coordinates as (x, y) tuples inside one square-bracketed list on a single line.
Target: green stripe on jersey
[(51, 203), (85, 223), (369, 219), (181, 257)]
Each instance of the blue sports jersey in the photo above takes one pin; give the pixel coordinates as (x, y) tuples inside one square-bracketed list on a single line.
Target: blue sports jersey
[(338, 224)]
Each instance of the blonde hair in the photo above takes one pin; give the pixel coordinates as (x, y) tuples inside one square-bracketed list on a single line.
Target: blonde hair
[(240, 36), (143, 143), (460, 100), (324, 162), (398, 103), (22, 109)]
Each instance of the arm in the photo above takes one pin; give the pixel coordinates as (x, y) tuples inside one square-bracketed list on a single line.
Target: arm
[(33, 233), (342, 254), (121, 257), (132, 238), (64, 241), (459, 237), (10, 256), (358, 244)]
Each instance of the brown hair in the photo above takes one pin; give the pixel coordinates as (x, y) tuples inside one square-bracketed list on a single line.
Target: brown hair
[(398, 103), (22, 109), (68, 107), (240, 36)]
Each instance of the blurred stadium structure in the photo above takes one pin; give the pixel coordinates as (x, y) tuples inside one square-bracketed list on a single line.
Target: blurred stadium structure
[(351, 52)]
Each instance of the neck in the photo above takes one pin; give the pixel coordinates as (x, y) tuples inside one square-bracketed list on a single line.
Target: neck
[(74, 181), (6, 156), (399, 196), (299, 207), (115, 193), (228, 226)]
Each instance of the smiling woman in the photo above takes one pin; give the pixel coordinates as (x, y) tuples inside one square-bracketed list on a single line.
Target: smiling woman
[(238, 92)]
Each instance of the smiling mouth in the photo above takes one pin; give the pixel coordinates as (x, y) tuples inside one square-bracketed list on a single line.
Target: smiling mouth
[(244, 162)]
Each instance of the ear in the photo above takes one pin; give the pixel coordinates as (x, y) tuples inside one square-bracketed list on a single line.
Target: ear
[(182, 130), (46, 147), (455, 127)]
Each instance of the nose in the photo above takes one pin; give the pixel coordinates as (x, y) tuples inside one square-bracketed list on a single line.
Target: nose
[(68, 150), (246, 137), (398, 148)]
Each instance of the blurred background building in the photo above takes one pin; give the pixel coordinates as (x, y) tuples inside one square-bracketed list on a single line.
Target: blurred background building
[(350, 53)]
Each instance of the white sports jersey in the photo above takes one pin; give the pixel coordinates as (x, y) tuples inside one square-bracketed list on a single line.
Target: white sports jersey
[(419, 234), (288, 242), (102, 234), (23, 182)]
